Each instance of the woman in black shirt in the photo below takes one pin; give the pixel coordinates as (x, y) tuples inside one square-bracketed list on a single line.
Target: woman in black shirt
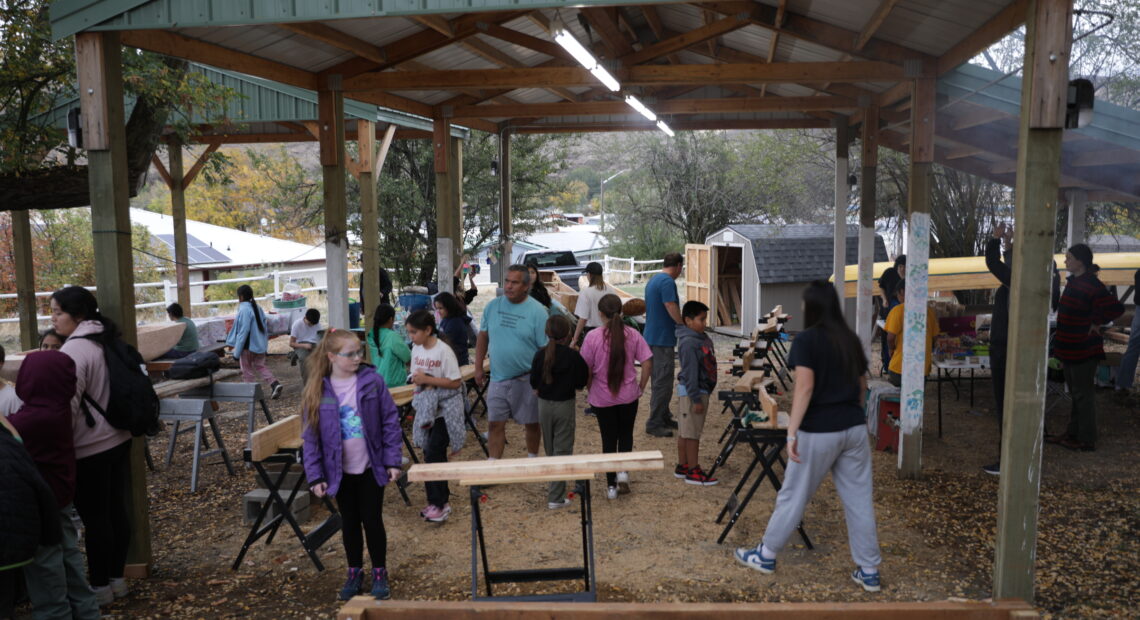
[(826, 433)]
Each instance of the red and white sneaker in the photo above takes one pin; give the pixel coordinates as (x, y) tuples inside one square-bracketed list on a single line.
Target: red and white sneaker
[(697, 476), (680, 471), (435, 514)]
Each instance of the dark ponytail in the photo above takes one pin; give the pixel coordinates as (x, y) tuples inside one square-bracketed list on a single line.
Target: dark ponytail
[(822, 311), (557, 331), (245, 295), (610, 307), (81, 305), (382, 315)]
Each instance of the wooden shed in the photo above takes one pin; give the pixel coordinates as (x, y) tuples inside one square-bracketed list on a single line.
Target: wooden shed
[(743, 270)]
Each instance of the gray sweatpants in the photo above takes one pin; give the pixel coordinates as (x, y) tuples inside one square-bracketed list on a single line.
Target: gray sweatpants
[(556, 418), (57, 583), (847, 455), (662, 382)]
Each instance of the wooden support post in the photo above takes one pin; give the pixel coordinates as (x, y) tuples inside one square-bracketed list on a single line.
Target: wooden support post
[(444, 195), (330, 109), (1044, 89), (864, 284), (917, 273), (98, 61), (839, 254), (505, 230), (455, 171), (1078, 198), (369, 227), (178, 212), (25, 279)]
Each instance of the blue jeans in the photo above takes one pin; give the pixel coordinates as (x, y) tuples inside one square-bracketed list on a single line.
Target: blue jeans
[(1127, 373)]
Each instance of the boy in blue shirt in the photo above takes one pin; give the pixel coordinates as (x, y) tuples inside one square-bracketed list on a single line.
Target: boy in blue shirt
[(695, 383)]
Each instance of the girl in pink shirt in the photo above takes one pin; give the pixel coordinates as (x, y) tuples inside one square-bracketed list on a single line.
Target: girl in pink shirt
[(614, 387)]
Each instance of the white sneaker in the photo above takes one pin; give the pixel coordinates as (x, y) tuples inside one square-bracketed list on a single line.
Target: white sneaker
[(611, 493), (563, 503), (119, 587), (623, 482), (103, 595)]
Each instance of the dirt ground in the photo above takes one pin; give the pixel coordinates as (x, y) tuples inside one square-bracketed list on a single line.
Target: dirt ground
[(658, 543)]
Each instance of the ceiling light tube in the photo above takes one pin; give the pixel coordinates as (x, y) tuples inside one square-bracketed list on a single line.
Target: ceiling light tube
[(571, 44), (605, 78), (663, 127), (640, 107)]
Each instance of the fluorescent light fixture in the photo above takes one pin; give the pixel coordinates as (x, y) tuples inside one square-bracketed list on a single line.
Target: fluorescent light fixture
[(640, 107), (571, 44), (563, 37), (663, 127), (605, 78)]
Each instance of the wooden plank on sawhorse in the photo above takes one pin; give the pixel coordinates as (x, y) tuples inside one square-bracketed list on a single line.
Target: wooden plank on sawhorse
[(167, 389), (368, 608), (250, 394), (580, 468), (281, 442)]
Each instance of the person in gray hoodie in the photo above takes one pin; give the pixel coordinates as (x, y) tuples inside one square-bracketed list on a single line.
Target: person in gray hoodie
[(695, 383)]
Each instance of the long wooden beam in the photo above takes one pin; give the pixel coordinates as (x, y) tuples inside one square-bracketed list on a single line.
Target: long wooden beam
[(774, 42), (644, 125), (873, 24), (494, 55), (822, 33), (178, 46), (671, 106), (341, 40), (651, 75), (1007, 20), (604, 21), (687, 39), (521, 39)]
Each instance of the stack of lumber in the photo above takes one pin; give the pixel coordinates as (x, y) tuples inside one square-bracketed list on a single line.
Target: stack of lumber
[(541, 469), (729, 308)]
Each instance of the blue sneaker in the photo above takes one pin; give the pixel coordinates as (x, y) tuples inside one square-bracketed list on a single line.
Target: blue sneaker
[(751, 558), (870, 582), (353, 585), (380, 590)]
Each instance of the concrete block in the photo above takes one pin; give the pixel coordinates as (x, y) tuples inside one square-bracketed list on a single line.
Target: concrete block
[(274, 470), (251, 505)]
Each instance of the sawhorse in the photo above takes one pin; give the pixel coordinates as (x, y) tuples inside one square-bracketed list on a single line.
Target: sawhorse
[(767, 447), (585, 572), (281, 443), (250, 394)]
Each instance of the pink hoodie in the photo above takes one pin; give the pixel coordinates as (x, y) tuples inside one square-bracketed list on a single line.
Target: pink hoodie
[(91, 377)]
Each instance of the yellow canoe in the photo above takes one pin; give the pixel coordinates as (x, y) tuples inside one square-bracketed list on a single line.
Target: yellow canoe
[(970, 273)]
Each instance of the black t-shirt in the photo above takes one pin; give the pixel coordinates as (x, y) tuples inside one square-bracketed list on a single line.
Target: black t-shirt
[(570, 374), (836, 401)]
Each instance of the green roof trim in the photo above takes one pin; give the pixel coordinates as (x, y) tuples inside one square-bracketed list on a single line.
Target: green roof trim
[(71, 16), (265, 101)]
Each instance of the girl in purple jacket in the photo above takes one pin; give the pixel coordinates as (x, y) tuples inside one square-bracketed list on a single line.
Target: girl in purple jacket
[(352, 449)]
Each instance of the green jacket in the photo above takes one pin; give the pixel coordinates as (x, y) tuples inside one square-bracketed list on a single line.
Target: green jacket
[(391, 357)]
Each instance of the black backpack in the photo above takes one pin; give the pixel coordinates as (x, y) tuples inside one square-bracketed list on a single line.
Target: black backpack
[(194, 366), (133, 404)]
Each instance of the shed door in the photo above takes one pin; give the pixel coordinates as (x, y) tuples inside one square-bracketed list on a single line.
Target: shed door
[(699, 275)]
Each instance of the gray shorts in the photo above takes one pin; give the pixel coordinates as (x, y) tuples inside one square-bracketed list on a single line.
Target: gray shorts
[(512, 398)]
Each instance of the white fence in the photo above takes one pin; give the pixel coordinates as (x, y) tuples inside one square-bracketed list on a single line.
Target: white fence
[(170, 290), (618, 270)]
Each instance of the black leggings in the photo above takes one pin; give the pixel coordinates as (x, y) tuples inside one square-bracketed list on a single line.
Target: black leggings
[(438, 493), (360, 499), (616, 424), (102, 490)]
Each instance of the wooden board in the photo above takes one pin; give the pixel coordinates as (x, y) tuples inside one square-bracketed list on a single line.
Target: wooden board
[(515, 480), (158, 338), (526, 468), (403, 394), (368, 608), (752, 380), (268, 440), (166, 389)]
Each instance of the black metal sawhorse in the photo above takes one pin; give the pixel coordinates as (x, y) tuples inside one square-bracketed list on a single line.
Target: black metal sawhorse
[(316, 537), (738, 403), (767, 447), (584, 572)]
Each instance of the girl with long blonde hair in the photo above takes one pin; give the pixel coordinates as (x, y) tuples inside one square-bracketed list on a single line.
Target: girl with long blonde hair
[(345, 404)]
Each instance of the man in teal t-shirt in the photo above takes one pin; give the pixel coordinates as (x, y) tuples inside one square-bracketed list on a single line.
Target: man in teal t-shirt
[(188, 343), (662, 315), (513, 330)]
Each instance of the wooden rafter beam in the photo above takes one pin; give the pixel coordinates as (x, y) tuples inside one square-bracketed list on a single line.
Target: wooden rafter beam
[(873, 24), (642, 75), (423, 42), (822, 33), (340, 40), (644, 125), (437, 23), (604, 21), (1006, 21), (774, 41), (179, 46), (494, 55), (684, 40), (1115, 157), (653, 19), (673, 106), (976, 116), (521, 39), (963, 152)]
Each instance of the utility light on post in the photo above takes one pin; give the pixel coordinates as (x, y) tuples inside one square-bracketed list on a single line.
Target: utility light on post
[(563, 37)]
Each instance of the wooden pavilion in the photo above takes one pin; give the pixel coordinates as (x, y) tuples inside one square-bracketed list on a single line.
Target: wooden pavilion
[(850, 65)]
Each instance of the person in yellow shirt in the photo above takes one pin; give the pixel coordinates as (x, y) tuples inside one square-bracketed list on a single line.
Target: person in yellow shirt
[(894, 329)]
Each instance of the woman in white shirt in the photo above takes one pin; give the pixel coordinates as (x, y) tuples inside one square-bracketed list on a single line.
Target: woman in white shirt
[(587, 305)]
